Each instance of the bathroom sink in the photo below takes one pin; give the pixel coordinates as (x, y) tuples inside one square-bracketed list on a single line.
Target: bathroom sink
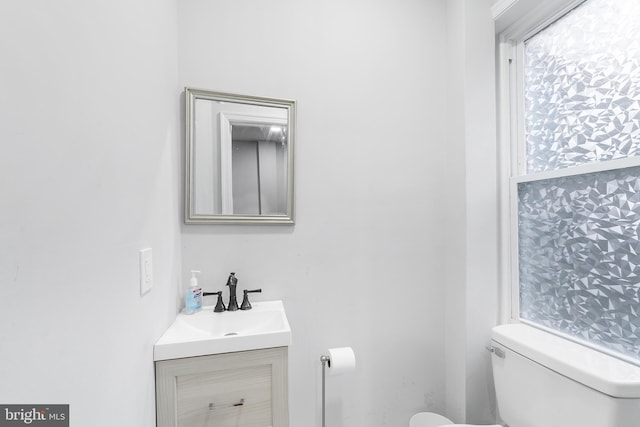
[(206, 332)]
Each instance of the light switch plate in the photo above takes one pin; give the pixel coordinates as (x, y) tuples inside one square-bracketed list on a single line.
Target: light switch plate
[(146, 271)]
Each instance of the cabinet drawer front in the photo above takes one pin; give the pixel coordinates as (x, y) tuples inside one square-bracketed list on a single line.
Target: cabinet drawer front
[(225, 398)]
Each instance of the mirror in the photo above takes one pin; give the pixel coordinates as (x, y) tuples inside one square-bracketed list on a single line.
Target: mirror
[(239, 158)]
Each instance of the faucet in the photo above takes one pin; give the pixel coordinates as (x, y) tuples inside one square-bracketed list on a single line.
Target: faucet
[(232, 282)]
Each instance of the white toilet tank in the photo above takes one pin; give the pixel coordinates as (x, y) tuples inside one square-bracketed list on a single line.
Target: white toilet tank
[(543, 380)]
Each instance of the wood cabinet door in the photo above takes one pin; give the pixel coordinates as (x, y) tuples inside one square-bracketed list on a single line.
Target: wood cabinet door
[(244, 389)]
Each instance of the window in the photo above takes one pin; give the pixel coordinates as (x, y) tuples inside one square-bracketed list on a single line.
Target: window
[(576, 186)]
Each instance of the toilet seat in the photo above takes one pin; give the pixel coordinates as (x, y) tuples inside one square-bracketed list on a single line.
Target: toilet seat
[(471, 425), (429, 419)]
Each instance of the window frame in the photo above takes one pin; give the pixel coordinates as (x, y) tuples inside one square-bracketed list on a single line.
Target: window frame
[(512, 152)]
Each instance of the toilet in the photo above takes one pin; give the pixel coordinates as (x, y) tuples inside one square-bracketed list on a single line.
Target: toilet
[(429, 419), (542, 380)]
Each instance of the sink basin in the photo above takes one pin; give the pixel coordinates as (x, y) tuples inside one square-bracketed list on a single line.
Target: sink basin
[(206, 332)]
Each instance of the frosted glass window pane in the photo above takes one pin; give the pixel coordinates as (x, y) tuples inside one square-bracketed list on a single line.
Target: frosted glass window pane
[(582, 87), (580, 256)]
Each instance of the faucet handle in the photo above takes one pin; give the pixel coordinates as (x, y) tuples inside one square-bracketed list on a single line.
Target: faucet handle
[(220, 304), (246, 305)]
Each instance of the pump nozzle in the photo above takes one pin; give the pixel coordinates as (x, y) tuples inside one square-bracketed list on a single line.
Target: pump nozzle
[(194, 279)]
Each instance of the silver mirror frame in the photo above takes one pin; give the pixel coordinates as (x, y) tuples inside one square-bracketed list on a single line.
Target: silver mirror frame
[(191, 95)]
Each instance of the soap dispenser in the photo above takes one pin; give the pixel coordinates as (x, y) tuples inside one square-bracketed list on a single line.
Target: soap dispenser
[(193, 296)]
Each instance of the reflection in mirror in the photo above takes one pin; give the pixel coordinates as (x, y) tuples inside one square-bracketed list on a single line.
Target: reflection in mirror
[(258, 155), (239, 153)]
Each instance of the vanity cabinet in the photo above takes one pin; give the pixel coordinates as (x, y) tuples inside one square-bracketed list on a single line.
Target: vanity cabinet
[(241, 389)]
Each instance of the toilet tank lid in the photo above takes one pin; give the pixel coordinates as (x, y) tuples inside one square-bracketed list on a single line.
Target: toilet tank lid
[(590, 367)]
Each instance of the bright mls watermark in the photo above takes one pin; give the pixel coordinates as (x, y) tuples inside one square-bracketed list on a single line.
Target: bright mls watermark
[(34, 415)]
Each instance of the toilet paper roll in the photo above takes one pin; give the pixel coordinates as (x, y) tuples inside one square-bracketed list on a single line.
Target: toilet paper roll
[(341, 360)]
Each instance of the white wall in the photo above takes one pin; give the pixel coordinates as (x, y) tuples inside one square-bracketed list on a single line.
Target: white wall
[(471, 297), (89, 175), (456, 254), (362, 267)]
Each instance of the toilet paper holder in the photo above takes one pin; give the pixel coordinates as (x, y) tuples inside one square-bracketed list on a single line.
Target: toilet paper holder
[(325, 360), (344, 361)]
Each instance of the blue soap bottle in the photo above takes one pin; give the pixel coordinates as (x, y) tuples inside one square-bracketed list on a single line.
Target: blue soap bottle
[(193, 296)]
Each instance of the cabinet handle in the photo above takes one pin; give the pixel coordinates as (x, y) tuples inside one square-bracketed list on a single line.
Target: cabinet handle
[(212, 405)]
